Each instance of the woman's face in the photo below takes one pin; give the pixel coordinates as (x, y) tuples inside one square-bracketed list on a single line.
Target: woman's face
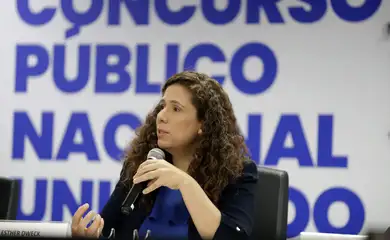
[(177, 122)]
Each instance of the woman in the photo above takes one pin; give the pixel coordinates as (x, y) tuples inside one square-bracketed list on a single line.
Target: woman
[(205, 187)]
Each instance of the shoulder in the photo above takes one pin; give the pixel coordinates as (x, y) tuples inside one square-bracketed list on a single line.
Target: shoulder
[(249, 169), (248, 174), (247, 180)]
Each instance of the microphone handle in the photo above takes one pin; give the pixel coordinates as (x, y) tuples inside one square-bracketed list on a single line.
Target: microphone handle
[(131, 197)]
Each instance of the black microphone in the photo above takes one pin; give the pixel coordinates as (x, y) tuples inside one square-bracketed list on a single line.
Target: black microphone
[(136, 189)]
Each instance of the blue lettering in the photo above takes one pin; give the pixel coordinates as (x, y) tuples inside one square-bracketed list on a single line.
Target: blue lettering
[(80, 19), (78, 122), (355, 14), (313, 11), (39, 18), (215, 54), (320, 211), (173, 17), (59, 66), (112, 126), (253, 140), (216, 16), (303, 15), (172, 60), (112, 61), (23, 71), (63, 197), (289, 125), (266, 80), (325, 155), (41, 142), (356, 211), (39, 201), (138, 10), (253, 8), (104, 69), (78, 125), (302, 212), (143, 86), (206, 50)]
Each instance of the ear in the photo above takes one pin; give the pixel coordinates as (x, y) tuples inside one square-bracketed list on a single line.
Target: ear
[(200, 125)]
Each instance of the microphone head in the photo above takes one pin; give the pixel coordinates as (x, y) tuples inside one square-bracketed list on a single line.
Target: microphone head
[(156, 153)]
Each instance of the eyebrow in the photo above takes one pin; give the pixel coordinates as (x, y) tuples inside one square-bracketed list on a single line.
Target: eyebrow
[(173, 101)]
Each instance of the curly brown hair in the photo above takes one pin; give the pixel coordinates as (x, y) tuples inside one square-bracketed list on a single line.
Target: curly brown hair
[(221, 150)]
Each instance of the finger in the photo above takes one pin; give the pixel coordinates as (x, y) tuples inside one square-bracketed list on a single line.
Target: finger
[(147, 162), (79, 214), (151, 182), (87, 219), (91, 231), (153, 186), (147, 168), (147, 176), (100, 228)]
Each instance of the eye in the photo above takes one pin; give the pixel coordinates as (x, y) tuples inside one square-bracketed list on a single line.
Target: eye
[(176, 109)]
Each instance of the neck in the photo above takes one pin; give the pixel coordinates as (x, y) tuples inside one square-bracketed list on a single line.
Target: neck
[(182, 159)]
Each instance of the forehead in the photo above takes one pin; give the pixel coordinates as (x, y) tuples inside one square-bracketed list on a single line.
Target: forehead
[(177, 93)]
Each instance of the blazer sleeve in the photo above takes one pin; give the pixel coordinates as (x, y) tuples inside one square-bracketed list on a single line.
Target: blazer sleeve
[(237, 206), (111, 212)]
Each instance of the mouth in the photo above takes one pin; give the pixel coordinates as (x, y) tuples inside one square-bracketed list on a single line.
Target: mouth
[(161, 132)]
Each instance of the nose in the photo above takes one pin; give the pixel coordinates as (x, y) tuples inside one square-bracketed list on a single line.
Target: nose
[(161, 116)]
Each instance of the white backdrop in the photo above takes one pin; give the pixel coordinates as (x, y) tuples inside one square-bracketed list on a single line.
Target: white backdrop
[(309, 81)]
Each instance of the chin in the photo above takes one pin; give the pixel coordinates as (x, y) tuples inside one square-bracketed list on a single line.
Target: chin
[(163, 145)]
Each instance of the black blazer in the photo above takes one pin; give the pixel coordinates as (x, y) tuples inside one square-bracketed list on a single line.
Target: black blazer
[(237, 206)]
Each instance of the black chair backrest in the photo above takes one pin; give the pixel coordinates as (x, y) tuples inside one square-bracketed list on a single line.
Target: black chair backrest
[(271, 205), (9, 197)]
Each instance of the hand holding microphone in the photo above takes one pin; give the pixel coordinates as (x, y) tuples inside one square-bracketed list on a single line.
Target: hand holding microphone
[(156, 172), (159, 173)]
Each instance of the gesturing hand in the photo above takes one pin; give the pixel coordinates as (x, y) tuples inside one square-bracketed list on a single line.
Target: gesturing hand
[(79, 224), (161, 173)]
